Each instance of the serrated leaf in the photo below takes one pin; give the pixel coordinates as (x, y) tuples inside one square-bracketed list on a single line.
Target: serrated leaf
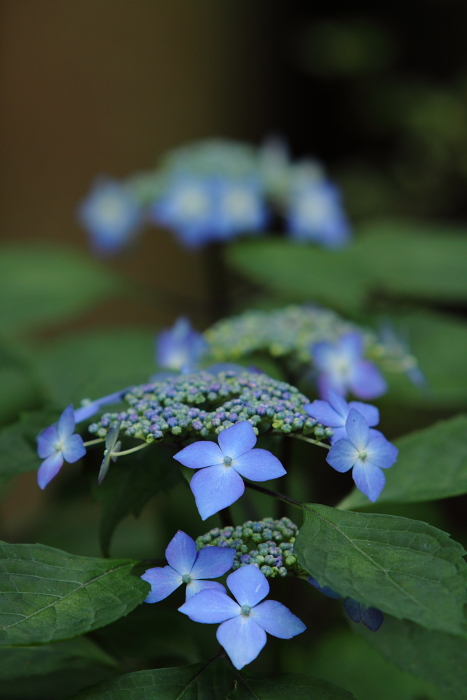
[(42, 284), (52, 670), (48, 595), (403, 567), (94, 363), (130, 483), (212, 681), (432, 464), (434, 656)]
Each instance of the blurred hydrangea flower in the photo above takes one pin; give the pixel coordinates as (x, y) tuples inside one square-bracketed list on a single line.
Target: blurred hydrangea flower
[(188, 566), (240, 207), (315, 213), (219, 483), (401, 358), (181, 347), (366, 454), (111, 215), (371, 617), (245, 622), (57, 444), (334, 412), (341, 367)]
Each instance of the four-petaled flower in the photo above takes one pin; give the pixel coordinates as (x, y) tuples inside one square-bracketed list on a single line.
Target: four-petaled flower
[(180, 348), (57, 444), (186, 565), (245, 622), (342, 367), (366, 454), (219, 483), (333, 414)]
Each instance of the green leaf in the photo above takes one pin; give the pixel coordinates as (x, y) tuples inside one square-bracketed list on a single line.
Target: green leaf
[(302, 272), (432, 464), (403, 567), (129, 485), (95, 363), (52, 670), (46, 284), (48, 595), (211, 681), (434, 656)]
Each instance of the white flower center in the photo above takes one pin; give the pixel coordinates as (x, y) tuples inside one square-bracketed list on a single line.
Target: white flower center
[(314, 209), (192, 203), (239, 205), (110, 209)]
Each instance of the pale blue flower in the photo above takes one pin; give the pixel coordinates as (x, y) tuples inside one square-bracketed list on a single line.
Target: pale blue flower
[(57, 444), (333, 414), (341, 367), (316, 214), (111, 215), (245, 622), (240, 207), (181, 347), (366, 454), (188, 566), (219, 483)]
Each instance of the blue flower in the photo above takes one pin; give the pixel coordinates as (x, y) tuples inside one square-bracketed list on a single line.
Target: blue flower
[(342, 367), (366, 454), (240, 207), (326, 590), (111, 215), (316, 213), (90, 408), (334, 412), (186, 565), (371, 617), (219, 483), (245, 622), (181, 347), (57, 444)]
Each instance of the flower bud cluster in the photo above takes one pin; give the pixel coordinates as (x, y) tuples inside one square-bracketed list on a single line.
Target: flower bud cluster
[(267, 543), (204, 404)]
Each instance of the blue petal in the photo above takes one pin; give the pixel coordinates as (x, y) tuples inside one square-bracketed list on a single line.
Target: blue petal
[(352, 608), (200, 454), (366, 381), (339, 434), (323, 354), (382, 452), (216, 488), (351, 345), (357, 429), (73, 448), (237, 439), (369, 412), (195, 587), (328, 382), (323, 412), (210, 607), (342, 456), (339, 404), (325, 590), (369, 479), (46, 441), (371, 618), (248, 585), (242, 639), (49, 468), (181, 553), (277, 620), (258, 465), (163, 581), (212, 562), (66, 423)]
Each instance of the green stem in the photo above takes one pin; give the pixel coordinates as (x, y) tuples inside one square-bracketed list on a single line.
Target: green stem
[(313, 442), (128, 452), (93, 442)]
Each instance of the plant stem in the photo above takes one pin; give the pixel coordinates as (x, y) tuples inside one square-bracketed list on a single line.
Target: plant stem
[(93, 442), (313, 442), (128, 452), (273, 494)]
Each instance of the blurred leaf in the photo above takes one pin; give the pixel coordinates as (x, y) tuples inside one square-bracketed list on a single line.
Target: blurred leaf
[(303, 272), (19, 389), (52, 670), (48, 595), (436, 657), (94, 364), (46, 284), (130, 483), (209, 681), (401, 566), (432, 464), (343, 658)]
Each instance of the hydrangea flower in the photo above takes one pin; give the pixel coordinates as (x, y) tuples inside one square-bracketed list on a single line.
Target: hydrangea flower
[(245, 622), (90, 408), (333, 414), (240, 207), (187, 565), (57, 444), (366, 454), (181, 347), (219, 483), (342, 368), (371, 617), (111, 215), (316, 213)]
